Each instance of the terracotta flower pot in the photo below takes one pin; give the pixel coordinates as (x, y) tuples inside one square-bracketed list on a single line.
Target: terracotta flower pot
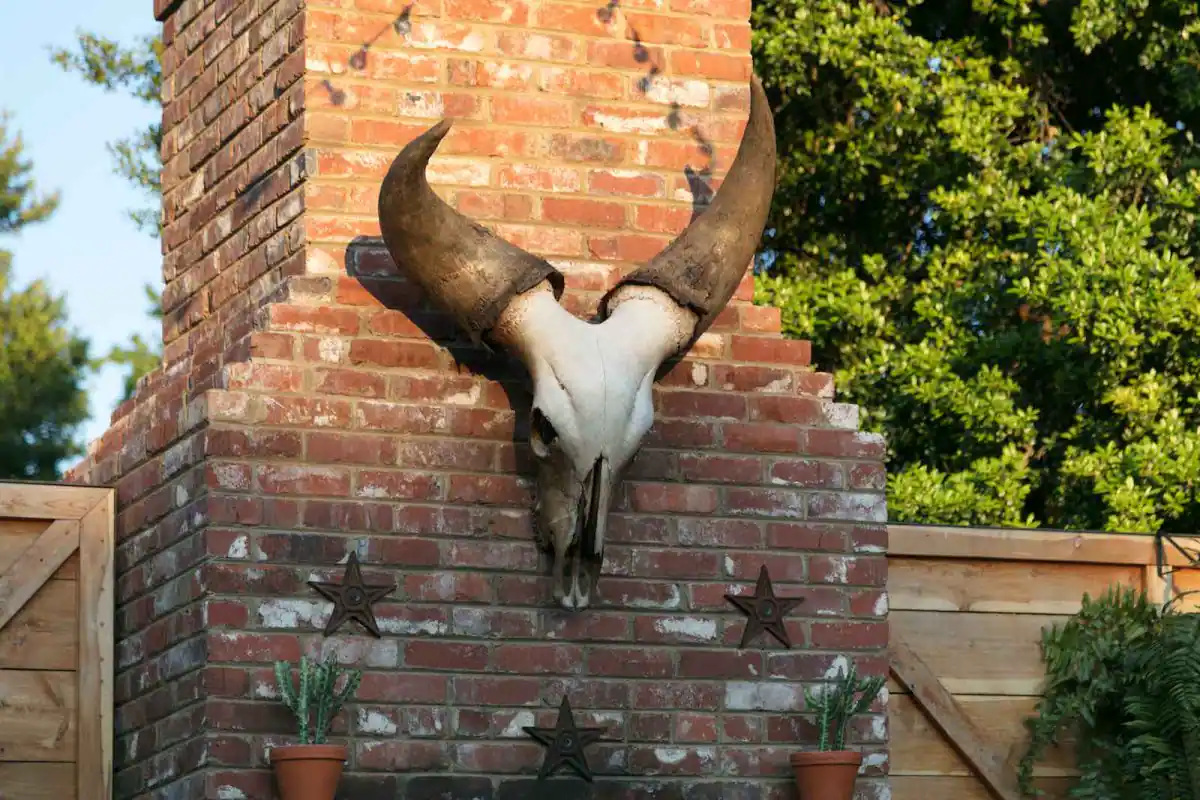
[(308, 771), (826, 775)]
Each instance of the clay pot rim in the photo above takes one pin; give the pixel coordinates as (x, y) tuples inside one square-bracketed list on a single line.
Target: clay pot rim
[(309, 752), (826, 757)]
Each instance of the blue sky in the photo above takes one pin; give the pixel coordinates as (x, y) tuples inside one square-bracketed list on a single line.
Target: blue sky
[(89, 250)]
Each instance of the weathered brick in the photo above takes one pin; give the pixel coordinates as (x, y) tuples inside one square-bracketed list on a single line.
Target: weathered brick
[(341, 412)]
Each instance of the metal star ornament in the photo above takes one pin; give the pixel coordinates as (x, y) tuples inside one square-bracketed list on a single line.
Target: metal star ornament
[(565, 743), (765, 611), (352, 599)]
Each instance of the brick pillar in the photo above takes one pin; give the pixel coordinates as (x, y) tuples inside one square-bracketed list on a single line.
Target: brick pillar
[(304, 411)]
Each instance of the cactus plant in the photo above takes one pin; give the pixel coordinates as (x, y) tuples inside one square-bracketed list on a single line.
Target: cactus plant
[(316, 695), (848, 697)]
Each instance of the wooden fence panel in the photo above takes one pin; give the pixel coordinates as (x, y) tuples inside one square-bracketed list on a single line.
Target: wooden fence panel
[(967, 611), (56, 642)]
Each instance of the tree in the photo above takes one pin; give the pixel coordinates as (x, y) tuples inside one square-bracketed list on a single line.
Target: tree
[(42, 362), (137, 71), (986, 223)]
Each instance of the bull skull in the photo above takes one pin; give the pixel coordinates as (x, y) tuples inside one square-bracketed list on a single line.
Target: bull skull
[(592, 382)]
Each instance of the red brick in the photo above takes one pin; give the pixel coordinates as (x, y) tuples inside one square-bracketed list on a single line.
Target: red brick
[(850, 635), (574, 19), (508, 757), (316, 319), (662, 219), (718, 66), (279, 346), (350, 382), (854, 570), (308, 411), (450, 656), (732, 9), (489, 490), (670, 564), (267, 377), (342, 448), (588, 213), (808, 474), (627, 247), (691, 405), (392, 756), (630, 183), (405, 687), (454, 587), (762, 438), (720, 469), (656, 29), (740, 378), (630, 662), (391, 353), (578, 83), (527, 44), (721, 664), (692, 695), (760, 319), (868, 476), (253, 647), (447, 454), (537, 659), (657, 498), (489, 691), (772, 350), (591, 627), (681, 434), (509, 12), (709, 532), (394, 324), (805, 536), (329, 481), (531, 110), (696, 728), (392, 485), (789, 410), (399, 417)]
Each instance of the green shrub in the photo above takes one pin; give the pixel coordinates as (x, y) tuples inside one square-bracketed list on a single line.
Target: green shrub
[(1123, 675)]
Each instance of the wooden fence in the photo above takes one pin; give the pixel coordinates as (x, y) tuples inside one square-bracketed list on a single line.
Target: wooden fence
[(968, 606), (56, 642)]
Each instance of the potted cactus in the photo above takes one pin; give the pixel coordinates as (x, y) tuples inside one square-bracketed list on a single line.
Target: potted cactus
[(829, 772), (312, 769)]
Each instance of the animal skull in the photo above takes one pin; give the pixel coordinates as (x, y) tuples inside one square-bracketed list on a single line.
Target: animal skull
[(592, 382)]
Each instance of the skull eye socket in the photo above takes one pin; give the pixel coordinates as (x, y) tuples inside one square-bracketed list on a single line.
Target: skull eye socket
[(542, 433)]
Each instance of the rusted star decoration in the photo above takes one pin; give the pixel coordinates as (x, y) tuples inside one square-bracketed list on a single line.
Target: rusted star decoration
[(352, 599), (565, 743), (765, 611)]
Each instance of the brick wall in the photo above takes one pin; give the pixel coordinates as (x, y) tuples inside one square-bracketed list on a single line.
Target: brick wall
[(310, 405)]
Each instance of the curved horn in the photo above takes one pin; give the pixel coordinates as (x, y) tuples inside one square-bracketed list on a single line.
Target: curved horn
[(702, 268), (463, 268)]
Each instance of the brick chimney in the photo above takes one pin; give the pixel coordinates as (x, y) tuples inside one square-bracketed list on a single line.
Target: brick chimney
[(303, 412)]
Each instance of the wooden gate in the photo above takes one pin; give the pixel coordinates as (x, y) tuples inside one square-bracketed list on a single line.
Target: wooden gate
[(56, 642), (967, 609)]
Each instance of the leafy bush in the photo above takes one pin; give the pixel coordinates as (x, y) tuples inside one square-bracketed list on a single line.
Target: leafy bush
[(1124, 676)]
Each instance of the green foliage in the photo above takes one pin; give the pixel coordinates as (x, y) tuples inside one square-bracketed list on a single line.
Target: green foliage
[(986, 222), (836, 704), (42, 362), (316, 701), (20, 204), (136, 71), (1123, 676)]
